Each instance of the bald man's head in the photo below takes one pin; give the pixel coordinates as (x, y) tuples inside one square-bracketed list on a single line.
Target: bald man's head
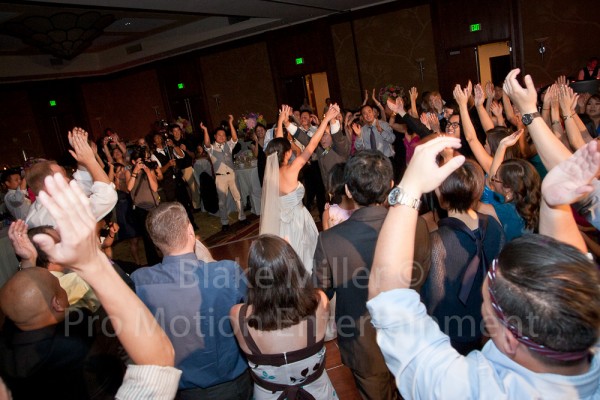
[(33, 299)]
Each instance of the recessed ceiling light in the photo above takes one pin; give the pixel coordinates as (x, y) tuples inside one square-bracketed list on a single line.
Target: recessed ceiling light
[(127, 23)]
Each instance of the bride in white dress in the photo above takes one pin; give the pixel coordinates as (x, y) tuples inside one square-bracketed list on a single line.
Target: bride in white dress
[(284, 214)]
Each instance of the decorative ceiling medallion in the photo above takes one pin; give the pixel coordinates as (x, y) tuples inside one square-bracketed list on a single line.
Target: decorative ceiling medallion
[(64, 35)]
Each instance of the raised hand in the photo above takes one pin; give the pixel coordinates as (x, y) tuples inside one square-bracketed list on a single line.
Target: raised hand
[(525, 98), (425, 120), (461, 96), (17, 233), (423, 174), (567, 99), (396, 106), (433, 122), (356, 129), (496, 109), (314, 118), (77, 131), (82, 152), (332, 113), (373, 96), (548, 96), (570, 179), (230, 119), (413, 93), (511, 139), (284, 113), (78, 247), (489, 89), (94, 147), (479, 95), (203, 127), (562, 81)]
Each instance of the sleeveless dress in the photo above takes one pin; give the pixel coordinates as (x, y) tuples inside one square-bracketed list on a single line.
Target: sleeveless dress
[(295, 375), (298, 226)]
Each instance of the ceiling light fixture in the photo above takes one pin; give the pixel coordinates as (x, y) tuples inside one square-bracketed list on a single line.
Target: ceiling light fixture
[(64, 35)]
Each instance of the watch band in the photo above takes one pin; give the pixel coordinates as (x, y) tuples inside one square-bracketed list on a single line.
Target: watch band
[(399, 197)]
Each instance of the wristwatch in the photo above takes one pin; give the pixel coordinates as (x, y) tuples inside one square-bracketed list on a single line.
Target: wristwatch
[(399, 197), (528, 118)]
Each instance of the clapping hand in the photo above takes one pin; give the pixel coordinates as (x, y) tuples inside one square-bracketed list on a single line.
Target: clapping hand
[(570, 179), (511, 139), (525, 98), (396, 106), (284, 113), (356, 129), (78, 247), (423, 174), (17, 233), (333, 111), (479, 95), (462, 95), (489, 89), (567, 99), (496, 109), (82, 152)]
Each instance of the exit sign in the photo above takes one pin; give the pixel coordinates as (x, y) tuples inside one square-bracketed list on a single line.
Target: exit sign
[(52, 103), (299, 60), (180, 86), (475, 27)]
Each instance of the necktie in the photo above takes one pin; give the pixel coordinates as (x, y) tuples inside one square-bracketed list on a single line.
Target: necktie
[(373, 140)]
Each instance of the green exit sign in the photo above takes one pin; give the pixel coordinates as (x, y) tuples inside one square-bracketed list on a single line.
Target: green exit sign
[(475, 27), (52, 103), (180, 86), (299, 60)]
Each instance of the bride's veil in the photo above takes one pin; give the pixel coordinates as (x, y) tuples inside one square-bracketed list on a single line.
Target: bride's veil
[(270, 209)]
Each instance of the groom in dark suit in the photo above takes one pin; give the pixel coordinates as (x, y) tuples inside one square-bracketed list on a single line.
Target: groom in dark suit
[(343, 259)]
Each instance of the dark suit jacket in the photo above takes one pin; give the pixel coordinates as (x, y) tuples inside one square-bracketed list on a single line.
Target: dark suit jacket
[(343, 260), (339, 153)]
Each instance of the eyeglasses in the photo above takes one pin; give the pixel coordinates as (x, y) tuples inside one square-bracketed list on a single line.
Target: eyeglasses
[(527, 341), (453, 124), (494, 178)]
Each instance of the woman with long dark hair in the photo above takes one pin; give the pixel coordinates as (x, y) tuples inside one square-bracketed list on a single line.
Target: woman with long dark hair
[(281, 327)]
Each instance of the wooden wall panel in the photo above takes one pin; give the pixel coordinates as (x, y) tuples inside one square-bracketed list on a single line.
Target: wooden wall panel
[(572, 28), (242, 78), (388, 46), (125, 103), (19, 129)]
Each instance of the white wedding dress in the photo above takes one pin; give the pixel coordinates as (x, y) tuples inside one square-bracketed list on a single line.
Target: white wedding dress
[(286, 216)]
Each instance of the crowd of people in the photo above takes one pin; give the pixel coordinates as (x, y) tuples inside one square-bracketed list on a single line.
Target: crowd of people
[(455, 257)]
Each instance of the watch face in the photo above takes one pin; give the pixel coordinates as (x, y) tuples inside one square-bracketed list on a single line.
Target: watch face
[(526, 119), (393, 196)]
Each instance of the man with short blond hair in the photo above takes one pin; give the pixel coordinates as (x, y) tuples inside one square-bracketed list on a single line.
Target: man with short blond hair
[(191, 299)]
